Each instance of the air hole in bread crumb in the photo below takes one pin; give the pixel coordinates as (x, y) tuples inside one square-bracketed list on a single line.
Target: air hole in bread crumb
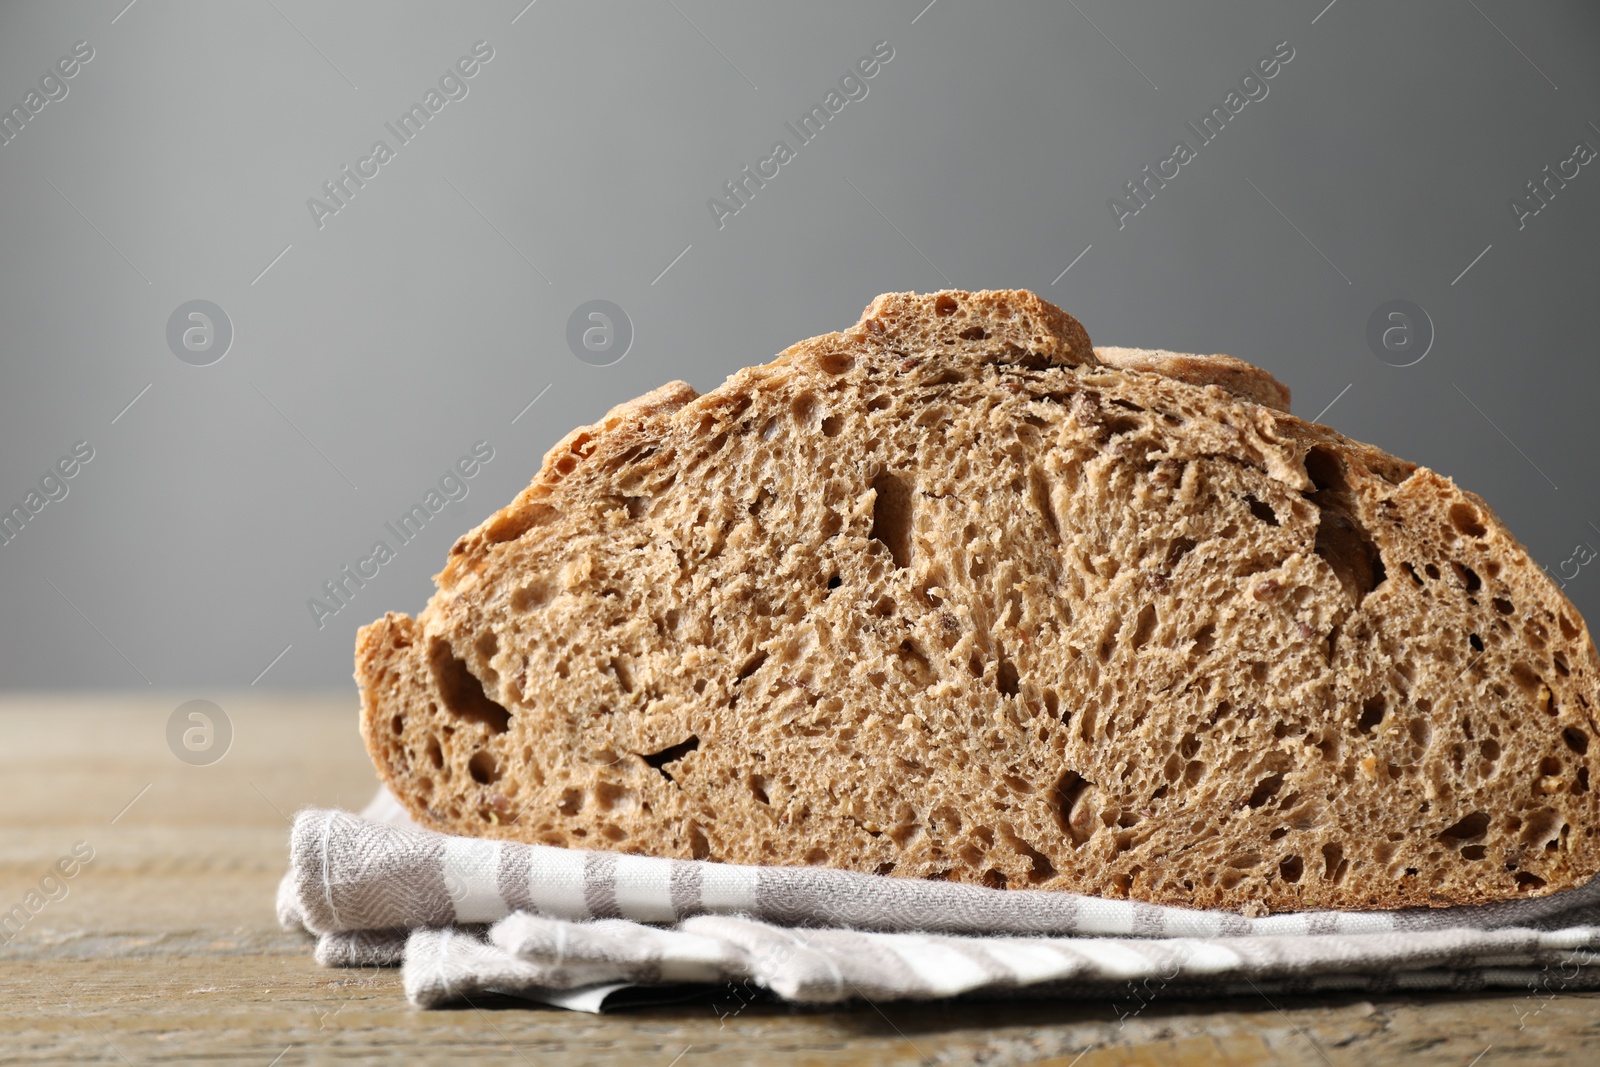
[(1072, 804), (1325, 469), (751, 665), (1525, 676), (571, 800), (914, 662), (1464, 517), (1020, 786), (1503, 606), (535, 594), (1344, 544), (610, 796), (1576, 739), (487, 644), (758, 788), (1144, 626), (397, 724), (1535, 632), (944, 304), (1469, 577), (1373, 710), (1039, 866), (1193, 771), (1007, 678), (671, 754), (1421, 732), (1527, 882), (892, 516), (831, 425), (1261, 511), (835, 362), (1476, 642), (1039, 493), (1121, 424), (1052, 704), (1467, 829), (1265, 790), (1549, 766), (623, 675), (435, 753), (461, 691), (484, 768), (993, 878), (1333, 862)]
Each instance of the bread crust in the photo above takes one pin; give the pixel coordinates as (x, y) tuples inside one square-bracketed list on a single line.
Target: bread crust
[(947, 594), (1234, 375)]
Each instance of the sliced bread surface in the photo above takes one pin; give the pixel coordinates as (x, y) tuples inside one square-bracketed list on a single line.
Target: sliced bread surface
[(950, 595)]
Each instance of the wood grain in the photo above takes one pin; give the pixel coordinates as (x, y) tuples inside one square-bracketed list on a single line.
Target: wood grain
[(165, 947)]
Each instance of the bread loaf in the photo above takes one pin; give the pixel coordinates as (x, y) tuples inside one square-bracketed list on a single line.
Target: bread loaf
[(950, 595)]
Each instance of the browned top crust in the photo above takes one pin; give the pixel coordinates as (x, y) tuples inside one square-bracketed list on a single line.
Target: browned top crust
[(1234, 375), (998, 325)]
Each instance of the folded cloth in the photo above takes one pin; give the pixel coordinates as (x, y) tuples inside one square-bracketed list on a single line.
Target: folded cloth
[(467, 916)]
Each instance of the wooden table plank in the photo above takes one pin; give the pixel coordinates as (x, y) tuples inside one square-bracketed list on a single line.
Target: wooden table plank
[(165, 946)]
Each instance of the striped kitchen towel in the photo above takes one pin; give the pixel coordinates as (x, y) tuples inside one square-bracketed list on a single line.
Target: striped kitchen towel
[(467, 916)]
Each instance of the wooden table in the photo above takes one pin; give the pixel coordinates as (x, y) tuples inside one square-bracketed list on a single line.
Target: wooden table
[(165, 946)]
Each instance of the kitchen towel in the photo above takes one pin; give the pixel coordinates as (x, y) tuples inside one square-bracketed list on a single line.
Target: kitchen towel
[(469, 916)]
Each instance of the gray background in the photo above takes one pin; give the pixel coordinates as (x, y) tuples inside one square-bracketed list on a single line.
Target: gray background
[(378, 348)]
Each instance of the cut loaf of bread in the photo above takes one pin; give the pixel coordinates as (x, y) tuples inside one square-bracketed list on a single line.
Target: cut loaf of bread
[(952, 594)]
